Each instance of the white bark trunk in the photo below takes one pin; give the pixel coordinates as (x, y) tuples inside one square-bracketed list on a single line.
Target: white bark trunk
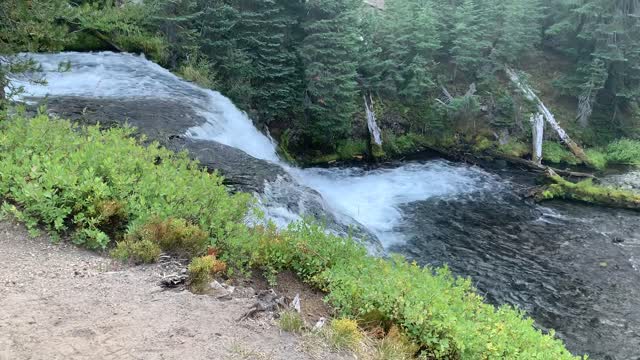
[(374, 130), (528, 92), (537, 121)]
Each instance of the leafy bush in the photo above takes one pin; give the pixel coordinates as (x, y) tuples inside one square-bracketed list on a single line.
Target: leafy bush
[(344, 333), (395, 346), (624, 151), (597, 158), (438, 311), (137, 252), (199, 70), (556, 153), (122, 26), (201, 270), (349, 149), (174, 236), (83, 180)]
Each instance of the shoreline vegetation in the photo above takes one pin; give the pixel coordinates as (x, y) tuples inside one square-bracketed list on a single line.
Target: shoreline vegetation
[(76, 181)]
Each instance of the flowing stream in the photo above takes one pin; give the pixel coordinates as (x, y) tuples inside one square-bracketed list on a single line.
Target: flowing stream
[(574, 268)]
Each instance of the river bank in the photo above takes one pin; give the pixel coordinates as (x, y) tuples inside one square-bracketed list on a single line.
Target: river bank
[(383, 200), (61, 302)]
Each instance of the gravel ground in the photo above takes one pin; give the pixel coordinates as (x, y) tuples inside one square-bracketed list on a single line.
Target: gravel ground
[(62, 302)]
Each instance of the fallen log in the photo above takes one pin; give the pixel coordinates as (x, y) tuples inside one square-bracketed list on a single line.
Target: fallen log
[(586, 191), (542, 168), (529, 94)]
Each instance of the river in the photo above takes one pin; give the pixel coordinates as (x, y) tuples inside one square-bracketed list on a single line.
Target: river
[(574, 268)]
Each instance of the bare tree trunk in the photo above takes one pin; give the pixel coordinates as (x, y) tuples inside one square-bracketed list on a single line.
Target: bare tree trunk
[(374, 129), (537, 121), (572, 145)]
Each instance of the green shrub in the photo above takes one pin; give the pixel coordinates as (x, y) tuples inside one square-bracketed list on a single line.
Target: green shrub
[(557, 153), (344, 334), (439, 312), (515, 148), (198, 70), (90, 182), (201, 270), (175, 236), (597, 158), (625, 151), (137, 252), (482, 144), (291, 321), (350, 149)]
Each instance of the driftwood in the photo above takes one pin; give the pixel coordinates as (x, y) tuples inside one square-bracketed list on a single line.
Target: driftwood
[(529, 94), (269, 302), (542, 168)]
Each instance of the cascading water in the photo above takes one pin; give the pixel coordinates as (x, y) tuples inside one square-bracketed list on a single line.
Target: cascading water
[(575, 268)]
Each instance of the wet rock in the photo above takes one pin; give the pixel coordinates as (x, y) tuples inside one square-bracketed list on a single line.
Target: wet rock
[(167, 121)]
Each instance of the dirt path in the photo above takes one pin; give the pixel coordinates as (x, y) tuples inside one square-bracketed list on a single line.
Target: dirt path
[(61, 302)]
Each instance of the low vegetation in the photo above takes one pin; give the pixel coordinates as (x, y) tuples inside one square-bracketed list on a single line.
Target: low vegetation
[(291, 321), (77, 180), (345, 334), (587, 191)]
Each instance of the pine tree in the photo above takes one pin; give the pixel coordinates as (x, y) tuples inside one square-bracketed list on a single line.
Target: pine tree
[(29, 26), (410, 42), (603, 37), (329, 54), (521, 30), (470, 41), (262, 33)]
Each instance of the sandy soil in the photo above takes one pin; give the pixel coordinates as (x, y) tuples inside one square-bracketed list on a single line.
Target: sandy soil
[(62, 302)]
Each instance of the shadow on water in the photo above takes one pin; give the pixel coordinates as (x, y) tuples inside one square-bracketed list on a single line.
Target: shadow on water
[(573, 267)]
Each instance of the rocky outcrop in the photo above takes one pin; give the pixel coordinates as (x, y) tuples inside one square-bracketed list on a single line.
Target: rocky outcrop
[(167, 121)]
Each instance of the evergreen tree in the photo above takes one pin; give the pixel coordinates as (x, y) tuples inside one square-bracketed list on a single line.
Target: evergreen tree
[(470, 41), (521, 30), (330, 53), (410, 42), (262, 33), (603, 38), (35, 25)]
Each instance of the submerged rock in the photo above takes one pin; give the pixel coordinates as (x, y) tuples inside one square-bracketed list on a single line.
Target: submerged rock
[(628, 181)]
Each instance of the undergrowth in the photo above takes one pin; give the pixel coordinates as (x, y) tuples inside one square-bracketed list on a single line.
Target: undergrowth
[(61, 177)]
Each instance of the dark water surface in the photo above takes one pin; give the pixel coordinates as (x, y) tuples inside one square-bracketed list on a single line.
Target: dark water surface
[(573, 267)]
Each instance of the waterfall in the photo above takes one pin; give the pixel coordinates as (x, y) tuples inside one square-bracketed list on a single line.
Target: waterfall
[(374, 130), (357, 201)]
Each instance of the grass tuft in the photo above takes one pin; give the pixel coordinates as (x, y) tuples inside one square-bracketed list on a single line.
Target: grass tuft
[(344, 334), (291, 321)]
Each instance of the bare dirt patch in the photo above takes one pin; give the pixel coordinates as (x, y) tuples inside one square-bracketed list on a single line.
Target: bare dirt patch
[(61, 302)]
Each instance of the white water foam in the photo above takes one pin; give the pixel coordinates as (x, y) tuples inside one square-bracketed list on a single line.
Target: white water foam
[(110, 75), (373, 198)]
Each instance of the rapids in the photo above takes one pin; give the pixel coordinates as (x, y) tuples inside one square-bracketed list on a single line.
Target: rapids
[(574, 268)]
